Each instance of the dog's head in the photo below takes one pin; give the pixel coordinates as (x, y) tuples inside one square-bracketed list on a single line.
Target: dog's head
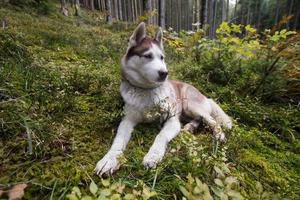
[(143, 64)]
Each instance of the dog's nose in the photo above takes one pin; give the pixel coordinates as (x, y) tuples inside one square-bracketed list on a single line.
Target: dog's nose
[(162, 75)]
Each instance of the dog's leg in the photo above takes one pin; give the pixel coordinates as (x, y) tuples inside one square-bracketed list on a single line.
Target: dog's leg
[(109, 163), (191, 126), (170, 130)]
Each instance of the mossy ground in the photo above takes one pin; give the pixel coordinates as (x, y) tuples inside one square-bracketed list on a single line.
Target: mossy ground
[(60, 107)]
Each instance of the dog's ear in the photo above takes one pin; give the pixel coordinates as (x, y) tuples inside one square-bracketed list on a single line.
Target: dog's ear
[(159, 37), (138, 35)]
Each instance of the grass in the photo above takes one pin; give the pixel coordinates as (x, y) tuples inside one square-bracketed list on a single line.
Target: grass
[(60, 107)]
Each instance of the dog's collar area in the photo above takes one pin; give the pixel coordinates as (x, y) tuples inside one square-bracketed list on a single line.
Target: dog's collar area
[(139, 87)]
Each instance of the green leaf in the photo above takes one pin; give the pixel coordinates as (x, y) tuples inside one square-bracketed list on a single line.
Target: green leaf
[(115, 197), (219, 182), (184, 191), (230, 180), (234, 194), (93, 188), (76, 191), (101, 197), (105, 182), (223, 196), (250, 29), (216, 191), (219, 171), (259, 187), (129, 197), (72, 197), (106, 192), (87, 198)]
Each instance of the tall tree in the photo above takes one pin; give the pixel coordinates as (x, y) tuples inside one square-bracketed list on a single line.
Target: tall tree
[(227, 11), (223, 10), (248, 12), (215, 22), (259, 15), (63, 8), (290, 4), (277, 12), (116, 9), (198, 9), (205, 11), (129, 10), (77, 8), (108, 11), (120, 9), (297, 16), (162, 12), (92, 4), (235, 10), (147, 9), (179, 16)]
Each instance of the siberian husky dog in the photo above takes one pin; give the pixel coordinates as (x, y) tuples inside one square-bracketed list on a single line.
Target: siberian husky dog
[(149, 95)]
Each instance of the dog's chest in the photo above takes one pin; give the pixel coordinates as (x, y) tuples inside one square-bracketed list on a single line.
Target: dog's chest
[(149, 104)]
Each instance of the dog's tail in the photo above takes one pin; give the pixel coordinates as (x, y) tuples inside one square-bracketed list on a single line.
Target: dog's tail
[(220, 116)]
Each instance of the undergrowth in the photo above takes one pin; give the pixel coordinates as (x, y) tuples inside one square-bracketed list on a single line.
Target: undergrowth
[(60, 107)]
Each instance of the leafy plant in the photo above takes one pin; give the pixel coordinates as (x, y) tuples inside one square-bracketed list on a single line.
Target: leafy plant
[(113, 191)]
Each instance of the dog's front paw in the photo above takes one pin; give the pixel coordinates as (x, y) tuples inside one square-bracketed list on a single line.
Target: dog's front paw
[(152, 158), (107, 165)]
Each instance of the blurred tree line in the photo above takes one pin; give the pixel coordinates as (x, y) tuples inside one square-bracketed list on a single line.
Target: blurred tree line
[(194, 14), (187, 14)]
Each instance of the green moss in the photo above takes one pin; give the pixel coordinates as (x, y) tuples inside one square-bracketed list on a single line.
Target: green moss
[(59, 79)]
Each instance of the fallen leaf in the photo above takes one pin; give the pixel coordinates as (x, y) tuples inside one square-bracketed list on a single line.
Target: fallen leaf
[(16, 192)]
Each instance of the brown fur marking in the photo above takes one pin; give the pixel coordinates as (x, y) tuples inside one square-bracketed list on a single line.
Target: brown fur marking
[(141, 47)]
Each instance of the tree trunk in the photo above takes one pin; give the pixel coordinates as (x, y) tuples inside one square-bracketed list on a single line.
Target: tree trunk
[(179, 15), (210, 18), (241, 14), (290, 10), (206, 10), (92, 4), (129, 10), (297, 16), (63, 8), (215, 23), (136, 10), (77, 8), (227, 11), (248, 12), (277, 12), (235, 7), (259, 15), (116, 9), (147, 9), (198, 10), (255, 13), (223, 10), (162, 13), (120, 9), (108, 11)]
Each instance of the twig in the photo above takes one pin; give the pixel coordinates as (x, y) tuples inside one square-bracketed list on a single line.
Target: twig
[(268, 72)]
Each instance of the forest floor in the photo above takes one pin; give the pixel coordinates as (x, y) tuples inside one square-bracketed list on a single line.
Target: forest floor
[(60, 107)]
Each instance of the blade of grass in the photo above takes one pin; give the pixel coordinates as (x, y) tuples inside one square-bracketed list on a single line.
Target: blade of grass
[(29, 138)]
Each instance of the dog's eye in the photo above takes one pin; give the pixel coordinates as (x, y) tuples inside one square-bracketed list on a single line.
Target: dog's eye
[(148, 56), (162, 57)]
